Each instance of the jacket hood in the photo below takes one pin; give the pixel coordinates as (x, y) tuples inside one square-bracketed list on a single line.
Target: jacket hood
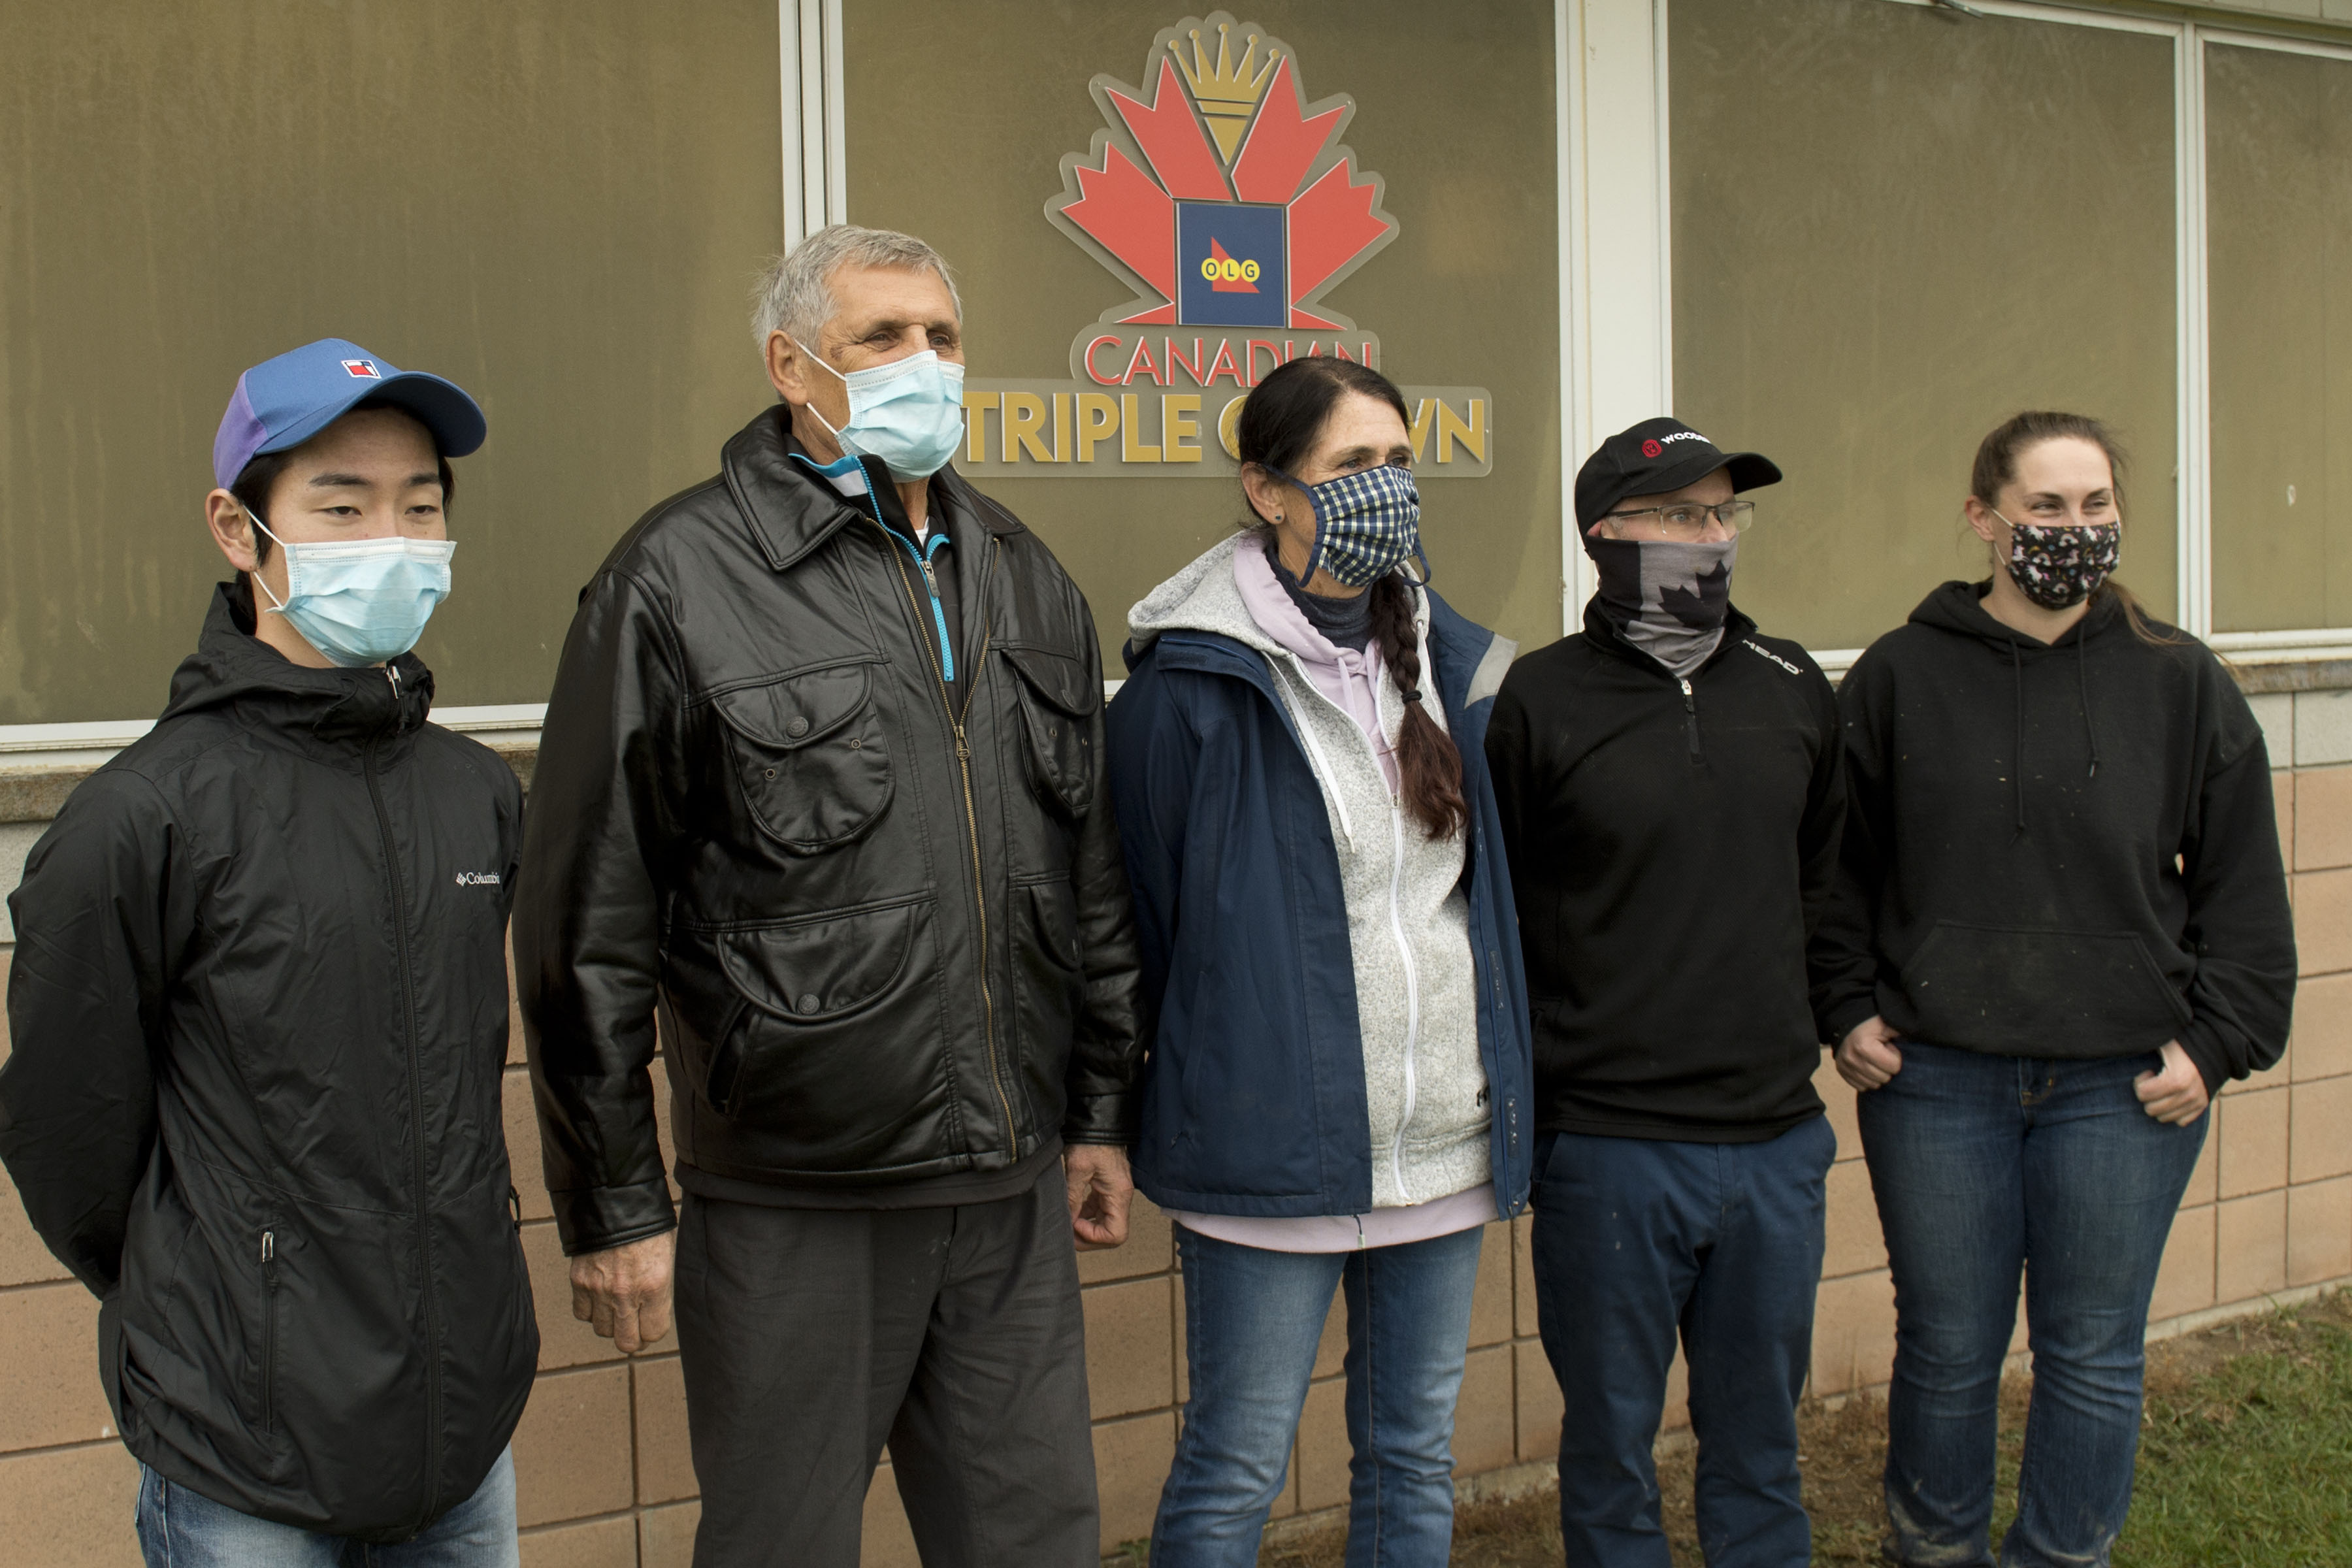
[(1958, 608), (232, 670), (1202, 597)]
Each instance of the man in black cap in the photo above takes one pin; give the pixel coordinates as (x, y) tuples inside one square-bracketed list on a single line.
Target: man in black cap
[(1671, 799)]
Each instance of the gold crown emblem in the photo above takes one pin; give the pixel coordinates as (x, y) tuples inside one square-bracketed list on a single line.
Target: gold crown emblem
[(1227, 92)]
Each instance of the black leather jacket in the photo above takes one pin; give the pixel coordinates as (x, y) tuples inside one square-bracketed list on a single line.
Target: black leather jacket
[(884, 922)]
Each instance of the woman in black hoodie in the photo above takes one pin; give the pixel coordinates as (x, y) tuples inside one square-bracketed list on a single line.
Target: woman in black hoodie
[(2061, 926)]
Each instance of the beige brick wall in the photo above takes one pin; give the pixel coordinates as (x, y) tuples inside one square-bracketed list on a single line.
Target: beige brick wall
[(603, 1477)]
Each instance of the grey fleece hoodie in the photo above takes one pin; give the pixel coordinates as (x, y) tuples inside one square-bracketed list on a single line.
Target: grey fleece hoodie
[(1408, 921)]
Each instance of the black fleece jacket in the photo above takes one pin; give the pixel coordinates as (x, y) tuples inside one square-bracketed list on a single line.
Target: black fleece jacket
[(1671, 843), (2058, 851)]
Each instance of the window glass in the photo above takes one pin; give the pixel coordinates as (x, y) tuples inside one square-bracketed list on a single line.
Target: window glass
[(2279, 254), (559, 204), (1894, 226)]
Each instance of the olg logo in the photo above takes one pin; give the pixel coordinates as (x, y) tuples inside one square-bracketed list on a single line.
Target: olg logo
[(1230, 270)]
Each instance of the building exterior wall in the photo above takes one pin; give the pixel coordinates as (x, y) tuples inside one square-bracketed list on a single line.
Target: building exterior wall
[(631, 161), (604, 1476)]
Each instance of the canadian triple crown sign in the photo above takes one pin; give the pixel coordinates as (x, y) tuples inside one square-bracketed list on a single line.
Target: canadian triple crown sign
[(1226, 206)]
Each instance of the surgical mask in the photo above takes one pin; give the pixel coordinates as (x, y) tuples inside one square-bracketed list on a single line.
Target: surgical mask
[(2061, 565), (908, 413), (360, 601), (1666, 597), (1367, 524)]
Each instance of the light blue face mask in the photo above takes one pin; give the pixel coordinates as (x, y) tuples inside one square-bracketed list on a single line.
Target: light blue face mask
[(361, 601), (908, 413)]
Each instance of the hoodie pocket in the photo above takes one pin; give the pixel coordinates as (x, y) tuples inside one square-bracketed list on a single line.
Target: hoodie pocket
[(810, 756), (2026, 992), (1058, 701)]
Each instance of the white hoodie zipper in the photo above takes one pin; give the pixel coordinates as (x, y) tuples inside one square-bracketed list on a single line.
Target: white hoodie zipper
[(1329, 779), (1411, 999)]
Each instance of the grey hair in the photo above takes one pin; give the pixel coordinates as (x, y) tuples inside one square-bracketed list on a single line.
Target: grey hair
[(793, 296)]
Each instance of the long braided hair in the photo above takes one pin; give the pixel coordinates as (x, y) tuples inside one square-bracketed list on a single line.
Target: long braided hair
[(1278, 428)]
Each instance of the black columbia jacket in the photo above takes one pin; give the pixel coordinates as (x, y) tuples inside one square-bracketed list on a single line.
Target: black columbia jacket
[(2062, 850), (1673, 845), (260, 1012), (883, 917)]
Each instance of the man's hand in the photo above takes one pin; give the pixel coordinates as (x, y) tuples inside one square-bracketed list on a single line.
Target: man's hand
[(1867, 1057), (1099, 1189), (624, 1291), (2177, 1095)]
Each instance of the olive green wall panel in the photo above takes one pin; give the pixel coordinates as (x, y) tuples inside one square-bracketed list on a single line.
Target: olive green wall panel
[(560, 204), (959, 117), (2279, 255), (1895, 226)]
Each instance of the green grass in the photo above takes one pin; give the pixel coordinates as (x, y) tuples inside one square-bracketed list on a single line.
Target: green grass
[(2245, 1459), (2252, 1462)]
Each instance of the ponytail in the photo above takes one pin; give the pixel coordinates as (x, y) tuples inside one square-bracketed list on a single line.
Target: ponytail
[(1428, 767)]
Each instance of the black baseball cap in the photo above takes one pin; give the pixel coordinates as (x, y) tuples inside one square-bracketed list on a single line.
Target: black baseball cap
[(1654, 457)]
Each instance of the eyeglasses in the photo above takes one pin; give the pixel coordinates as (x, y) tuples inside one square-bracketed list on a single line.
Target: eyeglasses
[(1686, 520)]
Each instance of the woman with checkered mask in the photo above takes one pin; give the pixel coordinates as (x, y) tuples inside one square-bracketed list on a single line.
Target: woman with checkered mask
[(1337, 1093)]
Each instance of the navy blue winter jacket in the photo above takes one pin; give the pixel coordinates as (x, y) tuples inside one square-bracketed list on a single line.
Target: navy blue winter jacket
[(1254, 1091)]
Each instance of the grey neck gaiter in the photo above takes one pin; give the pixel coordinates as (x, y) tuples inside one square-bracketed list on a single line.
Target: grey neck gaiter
[(1667, 598)]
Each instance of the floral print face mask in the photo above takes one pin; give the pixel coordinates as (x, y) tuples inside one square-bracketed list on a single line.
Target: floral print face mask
[(2059, 566)]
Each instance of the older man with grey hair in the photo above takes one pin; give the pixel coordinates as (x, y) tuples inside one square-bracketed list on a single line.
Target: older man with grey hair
[(819, 791)]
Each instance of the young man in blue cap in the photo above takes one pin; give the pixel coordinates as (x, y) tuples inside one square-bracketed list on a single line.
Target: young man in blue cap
[(259, 1012), (1672, 792)]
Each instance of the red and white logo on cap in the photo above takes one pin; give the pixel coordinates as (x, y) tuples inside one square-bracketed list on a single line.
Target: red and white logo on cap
[(1650, 448), (364, 368)]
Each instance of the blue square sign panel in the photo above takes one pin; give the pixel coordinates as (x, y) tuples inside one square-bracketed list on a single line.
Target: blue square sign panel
[(1230, 265)]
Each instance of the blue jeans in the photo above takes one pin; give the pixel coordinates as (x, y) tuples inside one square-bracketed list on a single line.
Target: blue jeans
[(1634, 1240), (182, 1528), (1987, 1167), (1252, 1321)]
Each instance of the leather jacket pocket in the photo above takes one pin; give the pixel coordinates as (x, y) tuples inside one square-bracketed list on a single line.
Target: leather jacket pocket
[(1050, 985), (810, 756), (830, 1010), (1057, 705)]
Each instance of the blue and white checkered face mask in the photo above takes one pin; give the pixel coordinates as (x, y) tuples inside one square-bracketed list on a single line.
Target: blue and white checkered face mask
[(1367, 524)]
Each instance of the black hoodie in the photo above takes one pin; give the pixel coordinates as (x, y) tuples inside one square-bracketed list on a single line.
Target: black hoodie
[(1672, 843), (260, 1012), (2058, 851)]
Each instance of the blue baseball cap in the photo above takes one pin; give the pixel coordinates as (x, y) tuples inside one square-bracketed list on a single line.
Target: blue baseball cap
[(283, 402)]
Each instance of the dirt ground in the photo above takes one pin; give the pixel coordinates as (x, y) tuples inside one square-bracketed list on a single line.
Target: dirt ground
[(1841, 1450)]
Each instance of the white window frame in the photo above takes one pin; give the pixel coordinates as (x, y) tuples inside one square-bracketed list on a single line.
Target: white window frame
[(809, 69), (1616, 300)]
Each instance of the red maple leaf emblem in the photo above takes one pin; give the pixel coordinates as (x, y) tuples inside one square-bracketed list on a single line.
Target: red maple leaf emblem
[(1230, 126)]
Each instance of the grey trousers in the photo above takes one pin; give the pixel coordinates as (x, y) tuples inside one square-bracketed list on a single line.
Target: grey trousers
[(809, 1337)]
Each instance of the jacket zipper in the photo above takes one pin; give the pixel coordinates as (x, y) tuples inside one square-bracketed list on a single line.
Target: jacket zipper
[(972, 816), (1412, 998), (269, 1332), (1690, 714), (417, 1111), (939, 616), (931, 580), (1396, 914)]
